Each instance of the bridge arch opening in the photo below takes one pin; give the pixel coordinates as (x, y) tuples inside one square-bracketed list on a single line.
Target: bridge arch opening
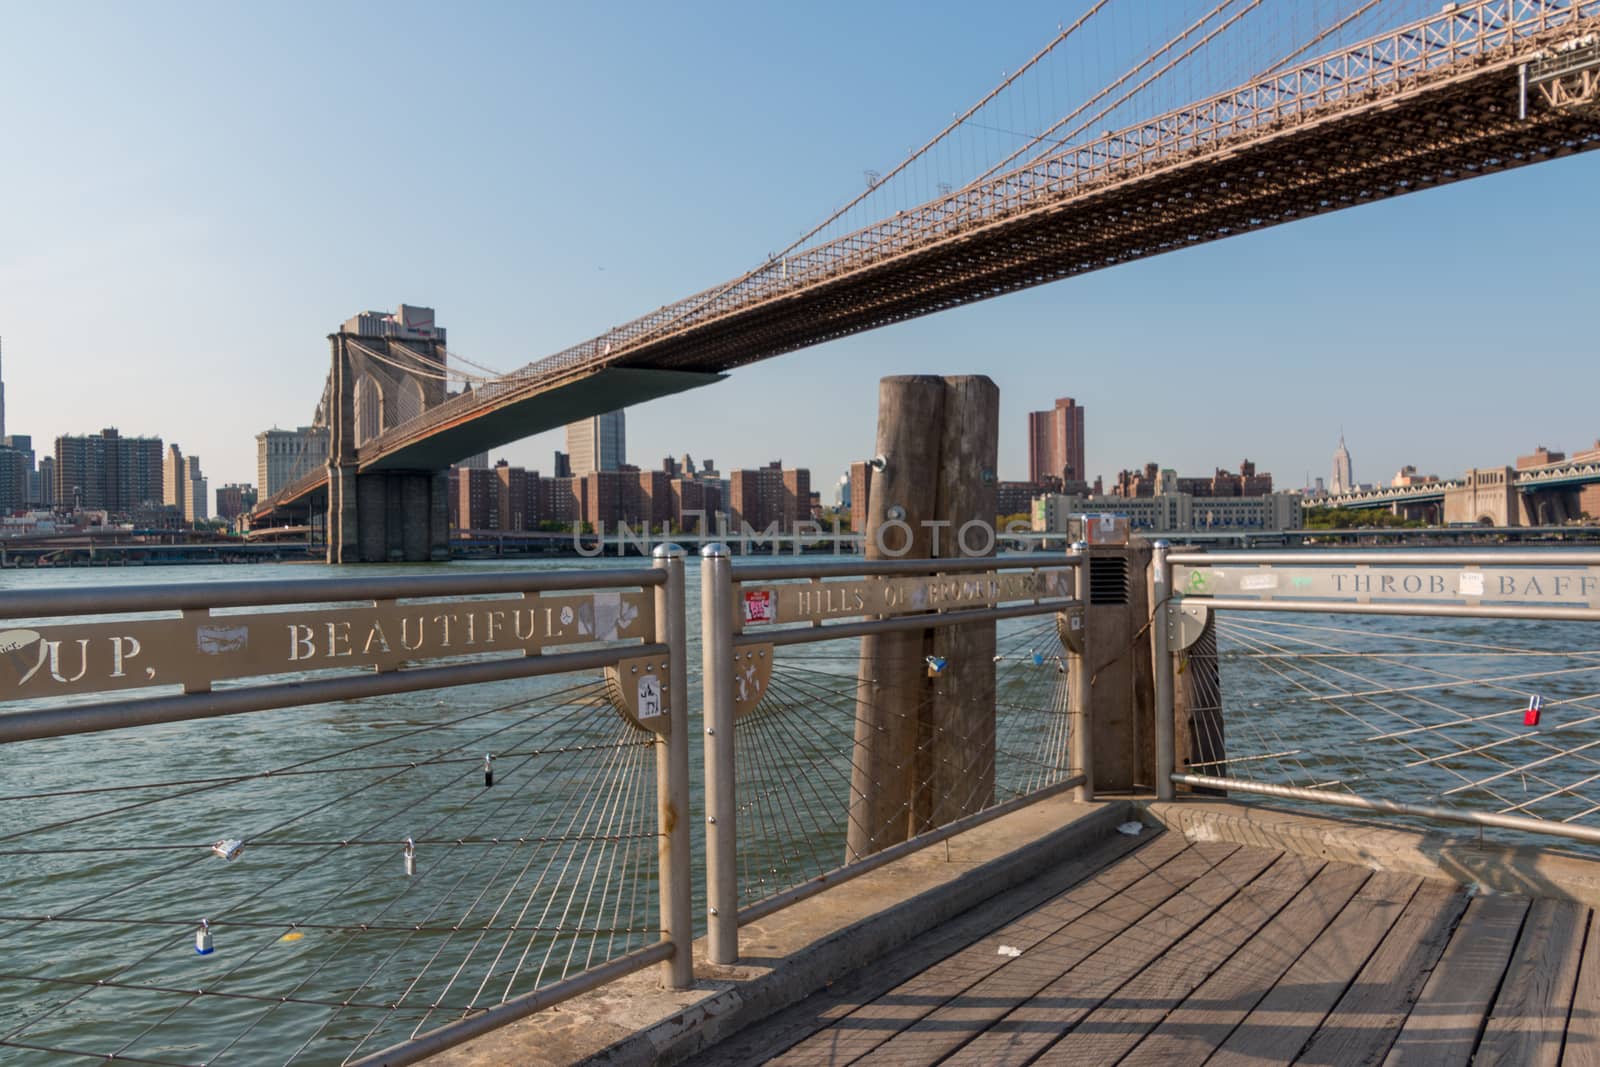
[(409, 404), (369, 408)]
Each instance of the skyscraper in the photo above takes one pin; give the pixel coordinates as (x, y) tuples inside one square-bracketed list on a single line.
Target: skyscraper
[(2, 403), (597, 444), (1055, 443), (1344, 480)]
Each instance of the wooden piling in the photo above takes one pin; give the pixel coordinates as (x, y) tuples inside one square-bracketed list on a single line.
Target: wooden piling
[(925, 745), (893, 674), (957, 759)]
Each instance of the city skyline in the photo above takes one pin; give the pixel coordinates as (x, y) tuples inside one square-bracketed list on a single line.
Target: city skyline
[(163, 231)]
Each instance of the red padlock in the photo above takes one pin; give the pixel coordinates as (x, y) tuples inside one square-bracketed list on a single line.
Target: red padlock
[(1531, 716)]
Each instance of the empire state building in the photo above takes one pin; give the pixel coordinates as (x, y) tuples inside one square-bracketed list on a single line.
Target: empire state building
[(1343, 480)]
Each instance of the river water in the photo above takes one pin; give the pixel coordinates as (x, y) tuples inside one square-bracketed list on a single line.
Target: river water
[(319, 934)]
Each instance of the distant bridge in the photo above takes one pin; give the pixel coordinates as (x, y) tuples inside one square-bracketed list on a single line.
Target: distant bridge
[(1481, 87), (1491, 494)]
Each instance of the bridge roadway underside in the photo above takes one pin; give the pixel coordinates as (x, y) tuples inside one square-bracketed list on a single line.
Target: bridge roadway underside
[(524, 415), (1370, 149)]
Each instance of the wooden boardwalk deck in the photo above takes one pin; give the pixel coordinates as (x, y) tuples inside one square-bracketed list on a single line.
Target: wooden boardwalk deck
[(1158, 951)]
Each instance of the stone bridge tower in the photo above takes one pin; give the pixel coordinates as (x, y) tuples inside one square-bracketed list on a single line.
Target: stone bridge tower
[(377, 383)]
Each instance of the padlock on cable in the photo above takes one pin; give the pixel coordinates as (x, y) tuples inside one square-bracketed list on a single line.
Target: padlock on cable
[(935, 665), (202, 939), (488, 769), (411, 857), (1531, 716), (1038, 659)]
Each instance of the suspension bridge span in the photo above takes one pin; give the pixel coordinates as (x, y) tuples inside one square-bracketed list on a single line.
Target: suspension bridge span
[(1476, 88)]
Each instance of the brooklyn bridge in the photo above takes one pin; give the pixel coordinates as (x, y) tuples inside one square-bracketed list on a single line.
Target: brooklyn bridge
[(1356, 112)]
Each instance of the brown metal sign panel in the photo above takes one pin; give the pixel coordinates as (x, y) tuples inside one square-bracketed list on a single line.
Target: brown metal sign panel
[(200, 648), (818, 600), (752, 675), (1378, 583), (639, 687)]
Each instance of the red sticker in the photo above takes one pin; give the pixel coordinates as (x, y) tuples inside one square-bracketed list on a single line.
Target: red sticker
[(758, 606)]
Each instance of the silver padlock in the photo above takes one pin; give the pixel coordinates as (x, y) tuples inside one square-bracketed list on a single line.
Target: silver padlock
[(202, 939), (229, 848), (411, 857)]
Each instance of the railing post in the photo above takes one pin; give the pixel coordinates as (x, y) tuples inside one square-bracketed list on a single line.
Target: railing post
[(672, 773), (1161, 616), (1080, 733), (716, 653)]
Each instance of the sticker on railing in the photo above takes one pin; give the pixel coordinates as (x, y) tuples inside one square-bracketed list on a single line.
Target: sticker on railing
[(759, 606)]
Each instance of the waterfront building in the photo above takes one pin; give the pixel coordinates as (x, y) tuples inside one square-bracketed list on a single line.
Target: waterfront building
[(107, 471), (16, 469), (284, 455), (235, 499), (19, 481), (1055, 442), (758, 498), (1173, 512), (516, 493), (475, 500), (1343, 480), (597, 444)]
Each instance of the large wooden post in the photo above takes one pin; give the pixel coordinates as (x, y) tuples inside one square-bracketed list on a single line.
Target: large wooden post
[(924, 747), (958, 756), (901, 506)]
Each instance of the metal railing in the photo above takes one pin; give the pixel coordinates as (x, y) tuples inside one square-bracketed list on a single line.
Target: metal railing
[(956, 700), (1481, 707), (321, 874)]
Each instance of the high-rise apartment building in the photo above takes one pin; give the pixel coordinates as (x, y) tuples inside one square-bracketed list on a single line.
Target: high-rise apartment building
[(19, 482), (196, 501), (47, 482), (758, 498), (1343, 480), (1055, 443), (597, 444), (284, 455), (108, 471)]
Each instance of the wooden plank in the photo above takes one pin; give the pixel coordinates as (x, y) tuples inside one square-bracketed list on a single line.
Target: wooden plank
[(1277, 1028), (1364, 1023), (1138, 1007), (1018, 915), (859, 1024), (1444, 1023), (1206, 1017), (1583, 1025), (1529, 1019), (969, 1012), (1061, 1005)]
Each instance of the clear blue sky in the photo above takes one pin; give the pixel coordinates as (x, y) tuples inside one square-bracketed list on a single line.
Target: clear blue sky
[(195, 195)]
